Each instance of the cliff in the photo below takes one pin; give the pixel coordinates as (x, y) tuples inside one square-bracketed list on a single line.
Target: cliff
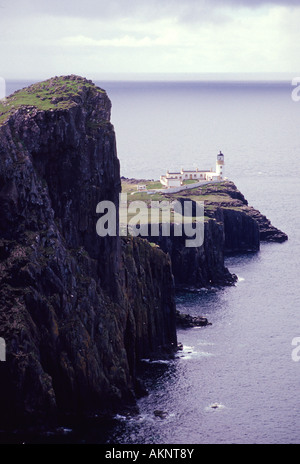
[(230, 226), (226, 203), (77, 311), (196, 267)]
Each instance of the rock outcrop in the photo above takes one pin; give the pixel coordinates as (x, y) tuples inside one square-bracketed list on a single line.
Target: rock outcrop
[(186, 321), (77, 311), (231, 226), (244, 226), (196, 267)]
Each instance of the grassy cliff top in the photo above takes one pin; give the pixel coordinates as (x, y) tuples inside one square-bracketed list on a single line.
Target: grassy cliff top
[(214, 195), (55, 93), (218, 193)]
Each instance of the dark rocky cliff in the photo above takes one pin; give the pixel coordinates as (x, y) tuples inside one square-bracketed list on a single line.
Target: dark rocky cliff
[(244, 226), (77, 311), (197, 267), (231, 226)]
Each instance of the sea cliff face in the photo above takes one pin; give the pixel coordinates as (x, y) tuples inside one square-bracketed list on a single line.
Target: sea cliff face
[(77, 311), (196, 267), (244, 226), (231, 226)]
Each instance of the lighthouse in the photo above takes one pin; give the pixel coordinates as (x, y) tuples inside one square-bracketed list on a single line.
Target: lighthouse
[(220, 165)]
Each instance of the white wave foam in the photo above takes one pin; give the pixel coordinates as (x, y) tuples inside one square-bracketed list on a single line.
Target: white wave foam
[(157, 361), (215, 407), (189, 352)]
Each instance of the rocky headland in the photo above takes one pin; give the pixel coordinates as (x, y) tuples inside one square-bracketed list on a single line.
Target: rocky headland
[(78, 311), (231, 226)]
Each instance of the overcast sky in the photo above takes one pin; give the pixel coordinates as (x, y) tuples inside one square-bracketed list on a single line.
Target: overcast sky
[(43, 38)]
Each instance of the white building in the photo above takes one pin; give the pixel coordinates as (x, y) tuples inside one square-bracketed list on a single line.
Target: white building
[(176, 179)]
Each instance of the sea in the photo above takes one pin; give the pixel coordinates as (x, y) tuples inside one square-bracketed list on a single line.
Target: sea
[(236, 381)]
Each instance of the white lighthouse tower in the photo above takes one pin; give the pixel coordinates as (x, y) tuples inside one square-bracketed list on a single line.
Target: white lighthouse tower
[(220, 165)]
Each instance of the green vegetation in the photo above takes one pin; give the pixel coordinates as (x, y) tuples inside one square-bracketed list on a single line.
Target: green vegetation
[(235, 208), (130, 186), (213, 195), (189, 181), (208, 193), (154, 185), (144, 196), (54, 93)]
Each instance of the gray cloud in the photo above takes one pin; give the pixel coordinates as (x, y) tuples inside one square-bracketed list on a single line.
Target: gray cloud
[(182, 10), (53, 37), (256, 3)]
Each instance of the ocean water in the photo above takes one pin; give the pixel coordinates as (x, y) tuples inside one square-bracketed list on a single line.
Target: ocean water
[(235, 381)]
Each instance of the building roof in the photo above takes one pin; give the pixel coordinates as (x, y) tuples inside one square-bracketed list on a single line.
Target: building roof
[(195, 170), (185, 171)]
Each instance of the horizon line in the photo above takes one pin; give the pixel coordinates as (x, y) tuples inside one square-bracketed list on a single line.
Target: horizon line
[(174, 76)]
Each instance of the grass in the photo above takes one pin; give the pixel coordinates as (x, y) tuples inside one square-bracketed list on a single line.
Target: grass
[(213, 195), (54, 93), (235, 208), (154, 185), (130, 186), (190, 181), (209, 193), (144, 196)]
